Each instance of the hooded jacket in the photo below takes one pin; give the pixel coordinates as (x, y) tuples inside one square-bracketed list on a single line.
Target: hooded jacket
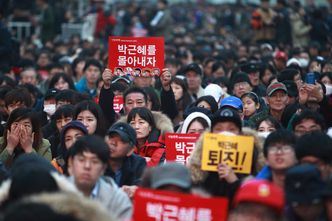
[(60, 162), (210, 181), (154, 148)]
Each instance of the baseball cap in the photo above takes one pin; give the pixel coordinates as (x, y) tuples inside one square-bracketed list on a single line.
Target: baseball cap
[(125, 131), (119, 78), (280, 55), (250, 67), (227, 114), (170, 174), (51, 93), (261, 192), (193, 67), (275, 87), (304, 185), (233, 102)]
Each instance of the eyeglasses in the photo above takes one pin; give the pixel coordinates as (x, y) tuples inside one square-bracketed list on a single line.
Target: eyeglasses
[(283, 149)]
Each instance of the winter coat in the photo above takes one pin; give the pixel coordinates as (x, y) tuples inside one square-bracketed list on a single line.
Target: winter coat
[(154, 148), (44, 150)]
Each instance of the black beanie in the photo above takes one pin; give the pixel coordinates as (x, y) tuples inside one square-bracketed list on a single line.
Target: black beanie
[(316, 144), (210, 100), (240, 77)]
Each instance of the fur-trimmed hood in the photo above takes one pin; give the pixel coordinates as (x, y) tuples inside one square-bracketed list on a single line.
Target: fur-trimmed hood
[(78, 206), (163, 123), (63, 184), (198, 175)]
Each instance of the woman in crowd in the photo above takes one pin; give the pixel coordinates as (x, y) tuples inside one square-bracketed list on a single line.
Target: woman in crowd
[(267, 125), (23, 135), (182, 98), (60, 118), (150, 143), (196, 122), (91, 115), (61, 81)]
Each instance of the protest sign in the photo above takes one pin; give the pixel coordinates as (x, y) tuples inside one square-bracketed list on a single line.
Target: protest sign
[(118, 103), (136, 56), (180, 146), (152, 205), (235, 151)]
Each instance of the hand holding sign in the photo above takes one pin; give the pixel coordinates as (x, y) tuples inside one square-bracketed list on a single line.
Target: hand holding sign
[(107, 77), (226, 172), (166, 78)]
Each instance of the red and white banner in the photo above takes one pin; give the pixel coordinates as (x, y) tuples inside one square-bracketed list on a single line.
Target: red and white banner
[(118, 103), (180, 146), (152, 205), (136, 56)]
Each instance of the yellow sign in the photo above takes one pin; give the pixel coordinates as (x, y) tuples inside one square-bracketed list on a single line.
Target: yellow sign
[(235, 151)]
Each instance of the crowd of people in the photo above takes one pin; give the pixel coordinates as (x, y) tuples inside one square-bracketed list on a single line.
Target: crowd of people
[(263, 71)]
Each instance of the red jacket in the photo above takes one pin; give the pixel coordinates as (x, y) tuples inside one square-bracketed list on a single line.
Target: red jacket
[(153, 150)]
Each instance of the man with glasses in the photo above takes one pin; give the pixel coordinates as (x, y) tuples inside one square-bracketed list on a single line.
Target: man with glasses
[(279, 152)]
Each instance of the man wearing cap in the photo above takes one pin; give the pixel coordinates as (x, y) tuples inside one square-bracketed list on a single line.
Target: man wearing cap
[(193, 74), (277, 100), (252, 69), (226, 119), (124, 166), (303, 189), (280, 59), (171, 177), (315, 148), (241, 84), (258, 200)]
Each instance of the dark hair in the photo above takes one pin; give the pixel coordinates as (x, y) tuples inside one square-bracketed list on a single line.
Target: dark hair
[(135, 90), (252, 95), (4, 90), (210, 100), (20, 114), (7, 81), (93, 144), (63, 111), (66, 95), (65, 77), (264, 67), (153, 97), (201, 121), (326, 74), (96, 111), (75, 63), (92, 62), (271, 120), (21, 95), (309, 114), (287, 74), (186, 98), (279, 136), (144, 113)]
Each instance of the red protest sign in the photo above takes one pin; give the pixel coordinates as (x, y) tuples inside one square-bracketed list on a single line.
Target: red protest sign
[(118, 103), (136, 56), (152, 205), (180, 146)]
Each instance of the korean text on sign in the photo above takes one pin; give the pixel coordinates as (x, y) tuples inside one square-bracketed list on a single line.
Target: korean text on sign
[(180, 146), (136, 56), (235, 151), (152, 205)]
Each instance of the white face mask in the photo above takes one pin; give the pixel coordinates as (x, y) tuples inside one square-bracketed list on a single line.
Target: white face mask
[(328, 89), (49, 109), (263, 134), (303, 62)]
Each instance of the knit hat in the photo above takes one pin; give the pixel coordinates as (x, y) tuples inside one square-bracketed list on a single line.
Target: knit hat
[(316, 144), (261, 192), (214, 90), (240, 77), (210, 100)]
